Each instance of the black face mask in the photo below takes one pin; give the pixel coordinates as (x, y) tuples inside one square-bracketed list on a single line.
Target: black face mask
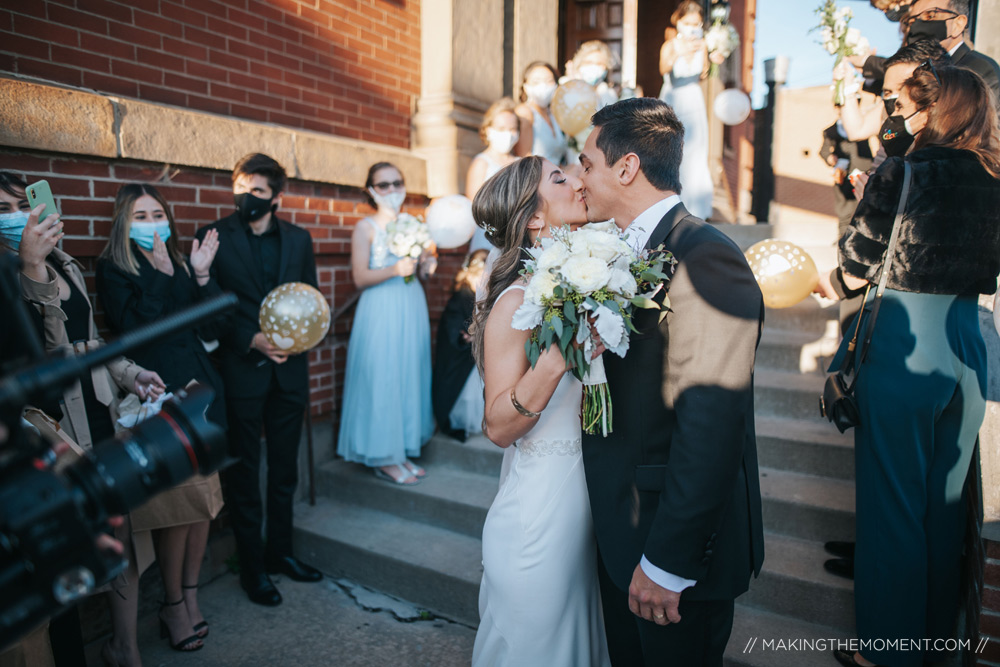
[(251, 208), (894, 137), (890, 104), (921, 29)]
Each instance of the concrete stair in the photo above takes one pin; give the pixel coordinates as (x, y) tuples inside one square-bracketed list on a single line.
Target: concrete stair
[(422, 543)]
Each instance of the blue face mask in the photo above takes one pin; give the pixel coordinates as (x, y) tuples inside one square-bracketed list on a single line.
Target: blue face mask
[(142, 233), (12, 226)]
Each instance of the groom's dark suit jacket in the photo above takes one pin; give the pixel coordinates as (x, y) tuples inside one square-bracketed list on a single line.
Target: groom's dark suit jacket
[(677, 478)]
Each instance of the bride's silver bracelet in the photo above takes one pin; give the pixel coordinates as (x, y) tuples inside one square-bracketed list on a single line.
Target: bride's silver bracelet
[(521, 409)]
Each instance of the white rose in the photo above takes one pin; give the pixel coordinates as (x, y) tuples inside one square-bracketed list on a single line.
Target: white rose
[(541, 287), (622, 282), (602, 245), (586, 274), (415, 251), (606, 226), (853, 37), (553, 257)]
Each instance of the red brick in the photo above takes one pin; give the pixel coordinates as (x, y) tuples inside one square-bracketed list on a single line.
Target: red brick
[(284, 119), (47, 70), (215, 196), (184, 49), (991, 599), (202, 213), (247, 82), (227, 60), (199, 36), (222, 27), (107, 47), (208, 6), (263, 101), (53, 33), (203, 71), (163, 95), (78, 58), (110, 10), (175, 81), (81, 168), (76, 227), (284, 32), (992, 549), (172, 9), (134, 35), (302, 53), (61, 15), (24, 163), (249, 112), (77, 247), (991, 650), (265, 42), (137, 72), (283, 62), (229, 93), (25, 46), (157, 23), (250, 20), (313, 16), (247, 51), (989, 624), (114, 85), (280, 89), (177, 194), (209, 104), (160, 60)]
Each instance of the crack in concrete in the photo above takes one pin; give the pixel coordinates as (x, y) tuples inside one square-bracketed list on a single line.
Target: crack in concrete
[(419, 615)]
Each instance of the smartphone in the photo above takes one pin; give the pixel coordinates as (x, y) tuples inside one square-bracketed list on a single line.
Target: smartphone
[(41, 193)]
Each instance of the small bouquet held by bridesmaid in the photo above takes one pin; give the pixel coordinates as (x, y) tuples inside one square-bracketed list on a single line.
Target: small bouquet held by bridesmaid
[(408, 237), (839, 39), (582, 290)]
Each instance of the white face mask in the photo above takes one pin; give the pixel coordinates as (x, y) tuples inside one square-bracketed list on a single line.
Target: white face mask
[(909, 127), (501, 141), (392, 201), (541, 93), (593, 74)]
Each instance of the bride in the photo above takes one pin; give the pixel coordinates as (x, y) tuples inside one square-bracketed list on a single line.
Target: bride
[(539, 603)]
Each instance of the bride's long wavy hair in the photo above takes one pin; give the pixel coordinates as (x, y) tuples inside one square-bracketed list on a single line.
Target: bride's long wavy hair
[(503, 207)]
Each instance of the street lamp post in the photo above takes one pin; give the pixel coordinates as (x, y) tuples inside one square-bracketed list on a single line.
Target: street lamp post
[(775, 74)]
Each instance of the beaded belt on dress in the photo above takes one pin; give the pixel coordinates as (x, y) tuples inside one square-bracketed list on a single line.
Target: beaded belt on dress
[(549, 447)]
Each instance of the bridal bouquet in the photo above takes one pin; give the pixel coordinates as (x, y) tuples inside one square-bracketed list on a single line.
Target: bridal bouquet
[(723, 39), (584, 285), (408, 237), (839, 39)]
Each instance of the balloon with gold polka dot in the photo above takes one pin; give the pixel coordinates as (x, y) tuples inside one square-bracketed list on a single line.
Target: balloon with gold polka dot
[(573, 104), (294, 317), (785, 272)]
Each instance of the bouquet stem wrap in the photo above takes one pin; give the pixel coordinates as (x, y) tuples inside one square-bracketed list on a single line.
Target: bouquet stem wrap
[(597, 409)]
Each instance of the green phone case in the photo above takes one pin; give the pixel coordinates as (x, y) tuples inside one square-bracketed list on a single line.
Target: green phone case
[(41, 193)]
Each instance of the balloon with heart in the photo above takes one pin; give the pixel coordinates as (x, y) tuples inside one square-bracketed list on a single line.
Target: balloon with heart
[(294, 317)]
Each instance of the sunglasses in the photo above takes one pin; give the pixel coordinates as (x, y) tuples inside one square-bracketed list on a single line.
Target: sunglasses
[(385, 185), (933, 14), (929, 66)]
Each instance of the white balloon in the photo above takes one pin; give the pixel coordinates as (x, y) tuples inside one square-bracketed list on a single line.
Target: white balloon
[(732, 106), (450, 221)]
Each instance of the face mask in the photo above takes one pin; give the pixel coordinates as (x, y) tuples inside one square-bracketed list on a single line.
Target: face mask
[(692, 31), (895, 138), (593, 74), (251, 208), (142, 233), (541, 93), (920, 29), (908, 126), (501, 140), (890, 104), (392, 201), (12, 226)]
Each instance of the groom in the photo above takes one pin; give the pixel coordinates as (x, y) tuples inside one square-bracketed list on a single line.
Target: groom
[(674, 489)]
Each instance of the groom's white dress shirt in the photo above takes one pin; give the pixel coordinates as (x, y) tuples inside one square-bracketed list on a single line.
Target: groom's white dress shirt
[(638, 235)]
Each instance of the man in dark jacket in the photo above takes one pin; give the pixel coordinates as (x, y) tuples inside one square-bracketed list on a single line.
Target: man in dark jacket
[(266, 389)]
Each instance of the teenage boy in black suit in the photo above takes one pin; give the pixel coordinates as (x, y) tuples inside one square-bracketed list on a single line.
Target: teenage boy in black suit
[(265, 387)]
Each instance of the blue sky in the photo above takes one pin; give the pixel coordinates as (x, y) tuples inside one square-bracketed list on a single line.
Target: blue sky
[(783, 29)]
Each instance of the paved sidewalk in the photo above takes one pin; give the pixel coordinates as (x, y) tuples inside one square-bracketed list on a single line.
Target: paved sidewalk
[(331, 623)]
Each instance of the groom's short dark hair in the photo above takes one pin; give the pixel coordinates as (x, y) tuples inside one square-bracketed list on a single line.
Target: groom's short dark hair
[(649, 128)]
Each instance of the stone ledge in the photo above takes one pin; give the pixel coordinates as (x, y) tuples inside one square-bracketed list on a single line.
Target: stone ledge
[(48, 117)]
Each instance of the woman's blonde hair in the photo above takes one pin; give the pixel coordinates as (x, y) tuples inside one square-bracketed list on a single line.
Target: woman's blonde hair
[(685, 8), (503, 207), (503, 105), (595, 45), (961, 112), (119, 248), (471, 271)]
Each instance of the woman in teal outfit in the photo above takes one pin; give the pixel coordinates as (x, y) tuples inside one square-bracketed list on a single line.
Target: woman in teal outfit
[(922, 389), (386, 416)]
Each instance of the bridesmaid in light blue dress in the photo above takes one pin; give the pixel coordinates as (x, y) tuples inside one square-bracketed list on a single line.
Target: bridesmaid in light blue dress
[(386, 415)]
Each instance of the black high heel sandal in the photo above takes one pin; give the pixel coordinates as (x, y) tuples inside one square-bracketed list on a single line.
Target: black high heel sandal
[(198, 627), (183, 644)]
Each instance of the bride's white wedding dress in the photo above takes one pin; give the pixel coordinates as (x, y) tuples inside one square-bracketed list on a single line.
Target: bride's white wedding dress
[(539, 603)]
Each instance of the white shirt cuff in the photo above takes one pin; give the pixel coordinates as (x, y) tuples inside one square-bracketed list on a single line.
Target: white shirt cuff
[(664, 579)]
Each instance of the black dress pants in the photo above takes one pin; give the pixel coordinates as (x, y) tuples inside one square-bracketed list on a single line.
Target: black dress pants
[(698, 640), (280, 416)]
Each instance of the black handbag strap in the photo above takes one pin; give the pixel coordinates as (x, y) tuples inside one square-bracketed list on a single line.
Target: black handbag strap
[(890, 252)]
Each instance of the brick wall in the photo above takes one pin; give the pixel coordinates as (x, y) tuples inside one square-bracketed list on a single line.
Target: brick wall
[(347, 67), (85, 189), (989, 621)]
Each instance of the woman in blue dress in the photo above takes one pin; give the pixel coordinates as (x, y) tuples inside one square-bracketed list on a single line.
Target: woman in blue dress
[(386, 415)]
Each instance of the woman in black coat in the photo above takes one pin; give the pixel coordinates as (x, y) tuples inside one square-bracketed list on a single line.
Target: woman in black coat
[(141, 278), (921, 390)]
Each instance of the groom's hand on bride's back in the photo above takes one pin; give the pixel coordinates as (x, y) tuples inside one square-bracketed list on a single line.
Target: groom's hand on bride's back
[(651, 601)]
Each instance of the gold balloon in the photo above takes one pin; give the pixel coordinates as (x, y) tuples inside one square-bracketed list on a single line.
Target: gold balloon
[(294, 317), (785, 272), (573, 104)]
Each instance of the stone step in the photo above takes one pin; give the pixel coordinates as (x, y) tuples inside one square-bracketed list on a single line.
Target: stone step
[(789, 395), (803, 234), (811, 447), (793, 583), (795, 351), (437, 569), (449, 498), (811, 315), (763, 639), (807, 507), (477, 454)]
